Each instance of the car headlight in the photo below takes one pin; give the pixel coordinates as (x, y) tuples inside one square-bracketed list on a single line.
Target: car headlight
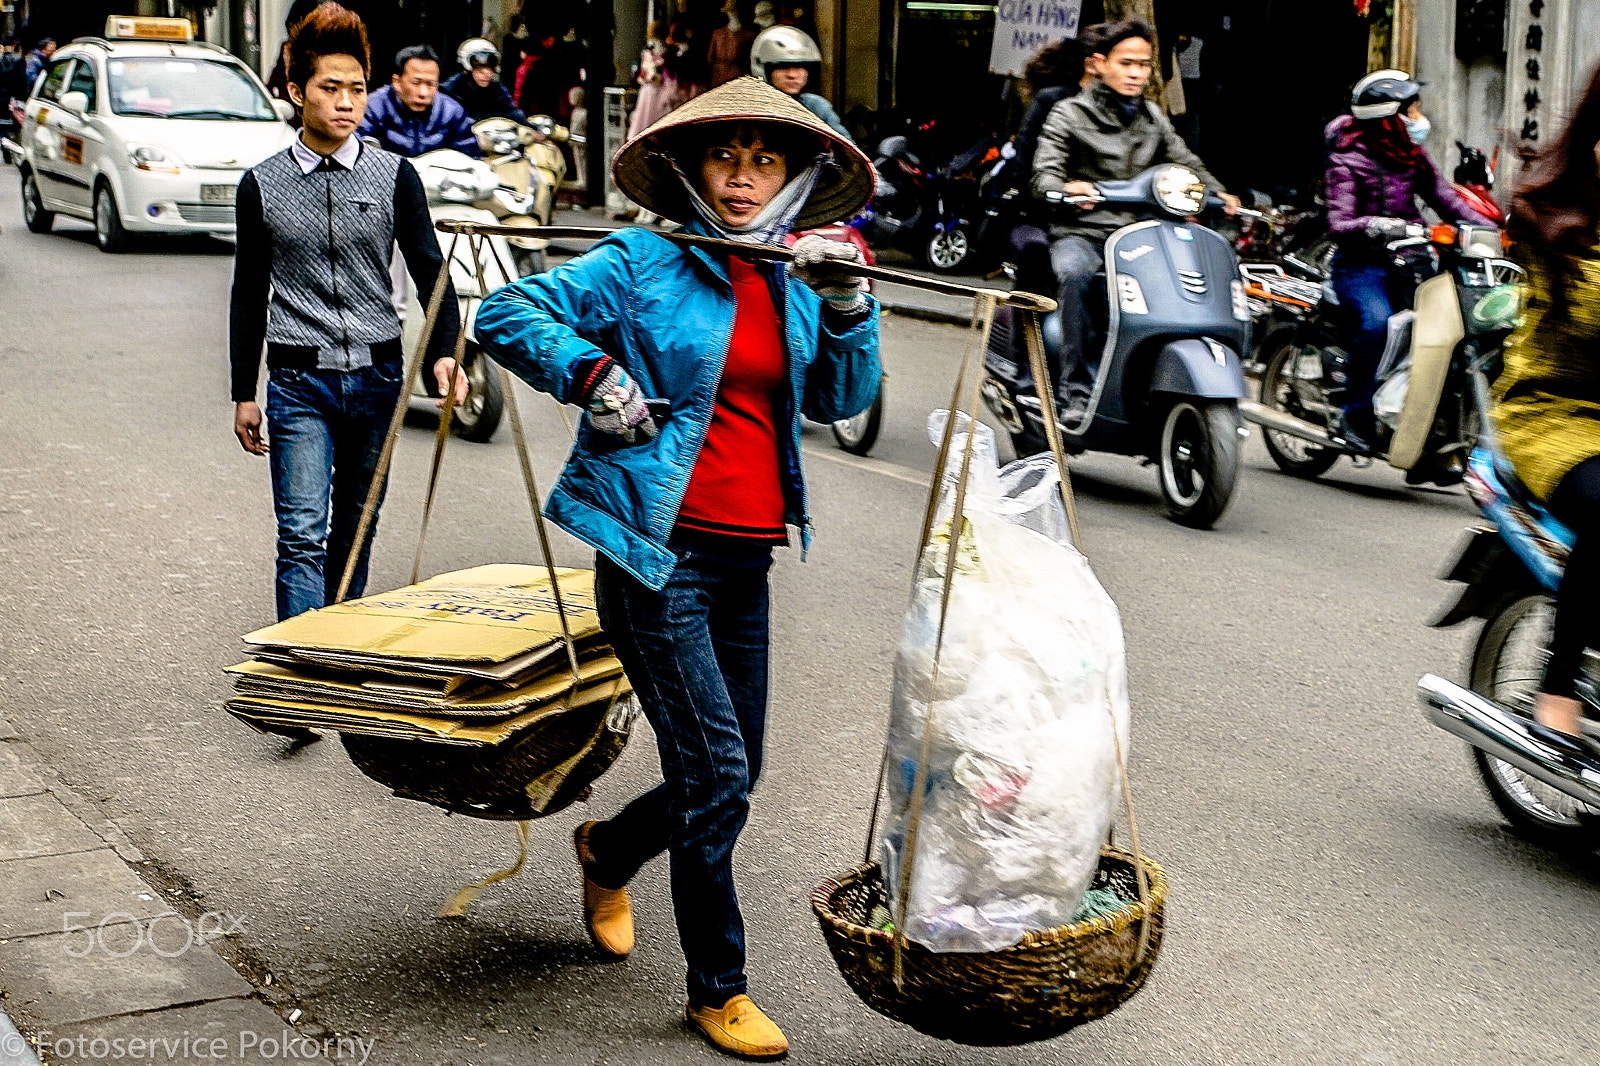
[(154, 158), (1179, 190)]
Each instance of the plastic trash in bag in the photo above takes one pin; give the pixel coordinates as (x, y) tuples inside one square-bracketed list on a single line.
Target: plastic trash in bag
[(1021, 784)]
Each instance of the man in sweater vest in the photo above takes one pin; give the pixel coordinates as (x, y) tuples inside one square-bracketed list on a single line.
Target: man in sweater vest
[(316, 223)]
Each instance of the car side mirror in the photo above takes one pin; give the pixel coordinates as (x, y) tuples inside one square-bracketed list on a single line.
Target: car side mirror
[(284, 109), (75, 101)]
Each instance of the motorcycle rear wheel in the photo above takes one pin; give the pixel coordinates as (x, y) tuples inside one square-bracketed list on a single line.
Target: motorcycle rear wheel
[(1199, 460), (948, 250), (1507, 666), (1293, 455)]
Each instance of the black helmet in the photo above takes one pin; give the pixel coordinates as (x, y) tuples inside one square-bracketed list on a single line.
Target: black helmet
[(1383, 93)]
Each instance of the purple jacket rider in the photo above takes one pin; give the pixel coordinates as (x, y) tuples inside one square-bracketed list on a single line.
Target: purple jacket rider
[(1361, 187), (410, 133)]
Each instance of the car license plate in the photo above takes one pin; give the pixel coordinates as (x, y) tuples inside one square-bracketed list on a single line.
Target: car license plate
[(218, 194)]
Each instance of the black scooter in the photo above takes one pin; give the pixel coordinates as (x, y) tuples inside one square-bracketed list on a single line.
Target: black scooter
[(1168, 380)]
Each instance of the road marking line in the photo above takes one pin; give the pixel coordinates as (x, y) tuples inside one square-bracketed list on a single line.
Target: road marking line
[(894, 470)]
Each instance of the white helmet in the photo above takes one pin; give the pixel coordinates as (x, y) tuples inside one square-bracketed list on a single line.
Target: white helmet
[(781, 46), (477, 51), (1382, 93)]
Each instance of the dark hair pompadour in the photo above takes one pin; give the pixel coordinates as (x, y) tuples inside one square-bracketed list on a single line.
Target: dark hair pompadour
[(329, 30), (1114, 33)]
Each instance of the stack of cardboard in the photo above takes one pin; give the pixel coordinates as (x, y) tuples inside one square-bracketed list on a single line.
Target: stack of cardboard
[(471, 658)]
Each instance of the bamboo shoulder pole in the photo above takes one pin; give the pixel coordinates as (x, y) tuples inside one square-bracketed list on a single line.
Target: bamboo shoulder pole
[(1026, 301)]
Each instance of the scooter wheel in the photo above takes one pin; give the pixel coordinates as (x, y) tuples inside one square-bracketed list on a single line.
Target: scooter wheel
[(948, 250), (479, 416), (857, 435), (1507, 663), (1199, 460)]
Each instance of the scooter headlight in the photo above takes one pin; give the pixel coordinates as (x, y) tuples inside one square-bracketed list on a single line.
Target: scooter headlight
[(457, 191), (1179, 190)]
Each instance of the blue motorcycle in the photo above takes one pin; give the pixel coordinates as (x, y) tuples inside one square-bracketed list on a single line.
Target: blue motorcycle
[(1509, 568)]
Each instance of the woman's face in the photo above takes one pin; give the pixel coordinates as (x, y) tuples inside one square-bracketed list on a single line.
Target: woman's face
[(790, 79), (738, 180), (1414, 110)]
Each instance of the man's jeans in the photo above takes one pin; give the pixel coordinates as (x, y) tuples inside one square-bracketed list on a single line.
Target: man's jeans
[(696, 653), (326, 428), (1075, 260), (1365, 293)]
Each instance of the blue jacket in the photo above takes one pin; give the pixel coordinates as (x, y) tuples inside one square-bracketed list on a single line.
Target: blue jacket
[(408, 133), (666, 313)]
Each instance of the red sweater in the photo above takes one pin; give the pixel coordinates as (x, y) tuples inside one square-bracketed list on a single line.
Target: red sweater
[(736, 487)]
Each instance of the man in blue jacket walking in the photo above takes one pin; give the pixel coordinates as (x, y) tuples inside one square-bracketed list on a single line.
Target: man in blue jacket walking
[(410, 116)]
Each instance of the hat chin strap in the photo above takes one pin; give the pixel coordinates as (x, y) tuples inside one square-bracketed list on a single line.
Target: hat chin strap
[(771, 222)]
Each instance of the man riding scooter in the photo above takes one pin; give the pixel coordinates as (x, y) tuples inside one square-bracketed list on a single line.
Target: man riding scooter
[(1376, 171), (477, 86), (1108, 132)]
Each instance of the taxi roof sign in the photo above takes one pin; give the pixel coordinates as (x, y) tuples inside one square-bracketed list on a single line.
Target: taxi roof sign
[(147, 28)]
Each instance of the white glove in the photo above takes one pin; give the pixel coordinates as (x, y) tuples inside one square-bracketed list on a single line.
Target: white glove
[(812, 254), (1386, 229)]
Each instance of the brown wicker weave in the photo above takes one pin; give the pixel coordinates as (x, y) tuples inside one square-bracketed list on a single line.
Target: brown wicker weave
[(1050, 983), (492, 782)]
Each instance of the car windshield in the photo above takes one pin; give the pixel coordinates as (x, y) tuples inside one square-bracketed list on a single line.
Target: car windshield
[(169, 87)]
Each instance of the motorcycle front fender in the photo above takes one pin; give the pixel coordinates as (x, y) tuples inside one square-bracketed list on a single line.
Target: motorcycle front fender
[(1201, 368), (1488, 571), (1435, 332)]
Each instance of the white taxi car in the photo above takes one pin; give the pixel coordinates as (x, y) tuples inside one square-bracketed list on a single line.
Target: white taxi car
[(144, 131)]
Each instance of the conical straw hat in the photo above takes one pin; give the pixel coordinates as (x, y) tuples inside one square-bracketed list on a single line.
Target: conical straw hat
[(644, 175)]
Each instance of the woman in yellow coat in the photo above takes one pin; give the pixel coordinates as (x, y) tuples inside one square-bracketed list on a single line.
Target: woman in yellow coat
[(1547, 413)]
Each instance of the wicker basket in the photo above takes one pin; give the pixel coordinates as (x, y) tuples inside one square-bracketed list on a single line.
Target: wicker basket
[(494, 782), (1050, 983)]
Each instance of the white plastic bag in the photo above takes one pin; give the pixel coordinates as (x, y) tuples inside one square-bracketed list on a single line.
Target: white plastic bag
[(1021, 783)]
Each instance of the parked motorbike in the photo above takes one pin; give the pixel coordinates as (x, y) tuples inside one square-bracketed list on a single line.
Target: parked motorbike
[(1509, 569), (1167, 378), (460, 187), (917, 208), (528, 162), (1426, 420)]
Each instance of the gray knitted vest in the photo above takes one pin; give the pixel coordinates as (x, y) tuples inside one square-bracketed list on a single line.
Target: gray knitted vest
[(332, 240)]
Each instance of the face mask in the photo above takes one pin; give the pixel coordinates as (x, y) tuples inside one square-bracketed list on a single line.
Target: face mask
[(1417, 127)]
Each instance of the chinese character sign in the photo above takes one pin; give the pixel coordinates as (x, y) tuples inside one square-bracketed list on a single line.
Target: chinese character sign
[(1022, 27)]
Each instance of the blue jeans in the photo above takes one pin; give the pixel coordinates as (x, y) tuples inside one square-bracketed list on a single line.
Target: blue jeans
[(696, 653), (326, 428), (1365, 294)]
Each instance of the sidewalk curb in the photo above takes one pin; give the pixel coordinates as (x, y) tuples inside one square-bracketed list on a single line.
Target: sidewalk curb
[(14, 1047), (61, 861)]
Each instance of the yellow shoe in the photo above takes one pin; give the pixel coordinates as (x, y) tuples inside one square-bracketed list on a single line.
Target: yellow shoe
[(606, 911), (739, 1028)]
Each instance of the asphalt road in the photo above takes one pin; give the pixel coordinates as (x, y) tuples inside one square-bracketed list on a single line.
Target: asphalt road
[(1342, 892)]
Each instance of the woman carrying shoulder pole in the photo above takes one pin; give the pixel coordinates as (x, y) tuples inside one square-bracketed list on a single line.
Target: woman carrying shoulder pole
[(685, 497)]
